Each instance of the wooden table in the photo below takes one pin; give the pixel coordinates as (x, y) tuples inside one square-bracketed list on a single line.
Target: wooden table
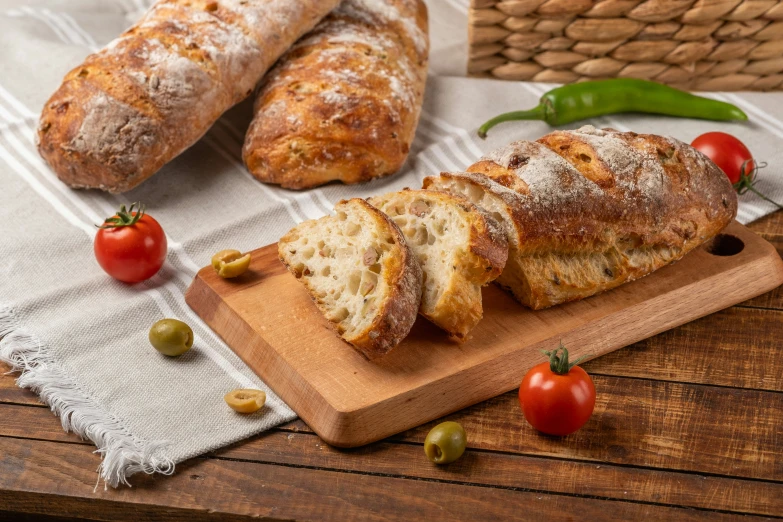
[(688, 425)]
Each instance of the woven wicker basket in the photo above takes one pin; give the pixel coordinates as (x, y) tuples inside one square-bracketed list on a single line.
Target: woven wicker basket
[(706, 45)]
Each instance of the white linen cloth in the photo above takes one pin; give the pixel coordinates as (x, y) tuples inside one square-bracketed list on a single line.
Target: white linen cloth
[(81, 337)]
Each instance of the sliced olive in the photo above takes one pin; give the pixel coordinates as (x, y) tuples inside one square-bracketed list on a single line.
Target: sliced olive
[(445, 443), (245, 401), (230, 263), (171, 337)]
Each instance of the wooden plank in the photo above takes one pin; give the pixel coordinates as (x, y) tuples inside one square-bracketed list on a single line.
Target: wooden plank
[(349, 401), (736, 347), (769, 224), (770, 227), (522, 472), (774, 298), (664, 425), (56, 478), (476, 467), (34, 423), (34, 517), (10, 393), (705, 446)]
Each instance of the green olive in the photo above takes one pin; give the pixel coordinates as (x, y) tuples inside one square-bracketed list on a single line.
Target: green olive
[(230, 263), (445, 443), (245, 401), (171, 337)]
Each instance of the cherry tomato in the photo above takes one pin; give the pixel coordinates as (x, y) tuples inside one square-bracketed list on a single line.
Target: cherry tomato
[(727, 152), (130, 246), (556, 397)]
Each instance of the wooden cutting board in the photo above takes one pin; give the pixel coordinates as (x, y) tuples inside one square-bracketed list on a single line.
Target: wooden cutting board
[(268, 319)]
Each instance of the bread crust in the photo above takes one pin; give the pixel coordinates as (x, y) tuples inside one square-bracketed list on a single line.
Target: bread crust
[(459, 308), (343, 104), (592, 209), (150, 94), (396, 316)]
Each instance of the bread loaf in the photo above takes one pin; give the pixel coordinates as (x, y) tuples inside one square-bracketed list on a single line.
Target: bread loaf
[(588, 210), (460, 249), (153, 92), (344, 102), (359, 272)]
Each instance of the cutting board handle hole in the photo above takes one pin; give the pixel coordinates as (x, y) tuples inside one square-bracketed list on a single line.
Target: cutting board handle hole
[(725, 245)]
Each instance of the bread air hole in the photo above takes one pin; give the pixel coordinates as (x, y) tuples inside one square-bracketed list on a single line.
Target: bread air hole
[(308, 252), (421, 237), (368, 284), (352, 229), (354, 280), (585, 158)]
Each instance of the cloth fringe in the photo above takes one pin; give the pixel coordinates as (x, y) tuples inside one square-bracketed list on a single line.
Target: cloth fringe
[(122, 454)]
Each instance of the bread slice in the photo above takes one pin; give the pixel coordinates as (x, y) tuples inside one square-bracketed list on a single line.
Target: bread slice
[(460, 249), (360, 274), (503, 205)]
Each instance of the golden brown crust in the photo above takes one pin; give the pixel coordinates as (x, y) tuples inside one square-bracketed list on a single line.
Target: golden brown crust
[(458, 308), (395, 320), (146, 97), (593, 209), (344, 103)]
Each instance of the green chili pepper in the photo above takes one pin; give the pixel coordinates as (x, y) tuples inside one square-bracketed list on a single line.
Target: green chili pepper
[(580, 101)]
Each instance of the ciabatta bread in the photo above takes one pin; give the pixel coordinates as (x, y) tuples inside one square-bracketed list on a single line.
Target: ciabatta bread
[(153, 92), (359, 272), (344, 103), (460, 249), (590, 209)]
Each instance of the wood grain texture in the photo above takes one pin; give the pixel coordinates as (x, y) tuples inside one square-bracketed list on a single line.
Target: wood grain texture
[(403, 456), (349, 401), (51, 478), (737, 347), (770, 228), (480, 467), (711, 430), (10, 393)]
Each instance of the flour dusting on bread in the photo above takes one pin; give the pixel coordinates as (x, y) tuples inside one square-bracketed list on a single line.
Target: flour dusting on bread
[(588, 210), (354, 86), (145, 85)]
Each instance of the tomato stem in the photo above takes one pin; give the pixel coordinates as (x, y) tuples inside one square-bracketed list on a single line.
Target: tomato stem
[(558, 363), (124, 218), (747, 182)]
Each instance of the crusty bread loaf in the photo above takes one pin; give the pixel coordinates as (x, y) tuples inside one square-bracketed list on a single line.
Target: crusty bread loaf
[(360, 273), (460, 249), (590, 209), (344, 103), (153, 92)]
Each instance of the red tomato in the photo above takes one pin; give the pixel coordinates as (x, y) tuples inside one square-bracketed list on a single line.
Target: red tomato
[(131, 246), (727, 152), (557, 403)]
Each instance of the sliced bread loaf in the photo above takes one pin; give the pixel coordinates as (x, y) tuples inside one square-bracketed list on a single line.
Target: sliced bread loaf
[(590, 209), (460, 249), (359, 272)]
